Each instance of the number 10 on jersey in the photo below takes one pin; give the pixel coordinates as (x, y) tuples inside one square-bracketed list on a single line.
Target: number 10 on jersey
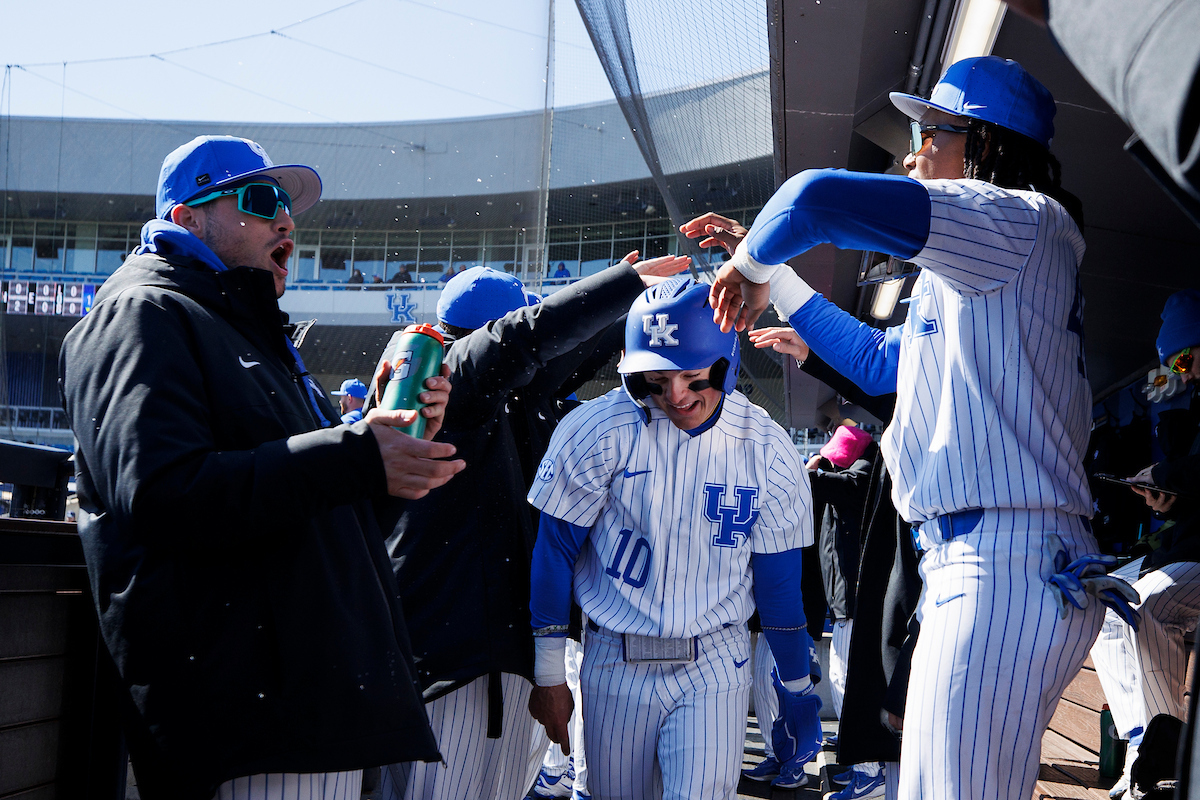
[(636, 562)]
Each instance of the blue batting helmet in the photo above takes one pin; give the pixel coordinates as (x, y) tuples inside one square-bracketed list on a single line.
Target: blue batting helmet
[(670, 326)]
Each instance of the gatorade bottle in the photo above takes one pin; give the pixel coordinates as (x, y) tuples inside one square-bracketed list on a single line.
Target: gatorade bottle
[(418, 356)]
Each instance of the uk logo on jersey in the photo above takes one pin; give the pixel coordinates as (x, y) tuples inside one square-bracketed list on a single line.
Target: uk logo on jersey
[(659, 329), (735, 520)]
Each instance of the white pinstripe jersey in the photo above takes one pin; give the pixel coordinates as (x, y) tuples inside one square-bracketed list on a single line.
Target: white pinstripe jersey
[(672, 517), (993, 406)]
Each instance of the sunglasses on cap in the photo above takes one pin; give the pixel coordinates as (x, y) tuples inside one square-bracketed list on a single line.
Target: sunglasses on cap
[(256, 199), (1182, 362), (920, 131)]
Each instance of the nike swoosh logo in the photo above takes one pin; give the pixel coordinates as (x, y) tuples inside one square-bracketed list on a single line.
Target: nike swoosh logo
[(629, 474), (247, 364), (740, 664), (942, 601)]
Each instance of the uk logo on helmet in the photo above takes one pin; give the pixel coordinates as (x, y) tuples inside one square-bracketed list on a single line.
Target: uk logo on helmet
[(657, 327)]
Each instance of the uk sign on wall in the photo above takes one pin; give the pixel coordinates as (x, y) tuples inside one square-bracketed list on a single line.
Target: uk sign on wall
[(366, 306)]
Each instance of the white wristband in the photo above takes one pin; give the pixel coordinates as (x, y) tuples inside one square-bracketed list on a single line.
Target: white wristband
[(752, 270), (798, 685), (549, 660), (788, 292)]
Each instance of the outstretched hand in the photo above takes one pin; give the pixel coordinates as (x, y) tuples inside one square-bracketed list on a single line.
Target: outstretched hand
[(657, 270), (737, 303), (782, 340), (720, 231), (412, 466)]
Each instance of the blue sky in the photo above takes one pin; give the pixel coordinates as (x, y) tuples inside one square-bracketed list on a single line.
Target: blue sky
[(327, 60)]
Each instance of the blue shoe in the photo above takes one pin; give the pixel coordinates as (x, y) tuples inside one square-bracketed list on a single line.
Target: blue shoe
[(862, 786), (766, 769), (842, 778), (552, 784), (831, 740), (791, 776), (581, 796)]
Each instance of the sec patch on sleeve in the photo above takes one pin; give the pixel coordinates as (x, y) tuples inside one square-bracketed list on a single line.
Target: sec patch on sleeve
[(545, 469)]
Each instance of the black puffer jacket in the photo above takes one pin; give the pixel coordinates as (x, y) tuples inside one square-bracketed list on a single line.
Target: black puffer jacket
[(234, 547), (463, 552)]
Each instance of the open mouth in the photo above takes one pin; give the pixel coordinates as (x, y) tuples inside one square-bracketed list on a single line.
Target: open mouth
[(282, 253), (687, 408)]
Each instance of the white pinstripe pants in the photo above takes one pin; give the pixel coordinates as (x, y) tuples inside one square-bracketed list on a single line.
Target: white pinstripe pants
[(766, 702), (476, 767), (1143, 673), (674, 731), (992, 659), (292, 786)]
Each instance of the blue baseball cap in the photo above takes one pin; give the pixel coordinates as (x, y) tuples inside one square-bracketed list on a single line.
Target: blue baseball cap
[(991, 89), (479, 295), (1180, 324), (210, 162), (352, 387)]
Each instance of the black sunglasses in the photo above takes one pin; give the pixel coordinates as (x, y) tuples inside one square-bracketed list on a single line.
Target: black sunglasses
[(919, 132), (257, 199)]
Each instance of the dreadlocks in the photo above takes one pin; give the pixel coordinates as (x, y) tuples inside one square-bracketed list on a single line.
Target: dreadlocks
[(1010, 160)]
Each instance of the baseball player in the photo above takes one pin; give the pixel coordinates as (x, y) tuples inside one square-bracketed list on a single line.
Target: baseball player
[(351, 398), (657, 500), (992, 415), (1143, 670)]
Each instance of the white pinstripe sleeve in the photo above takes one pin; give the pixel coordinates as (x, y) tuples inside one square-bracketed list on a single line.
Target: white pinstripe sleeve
[(979, 235), (573, 479), (785, 519)]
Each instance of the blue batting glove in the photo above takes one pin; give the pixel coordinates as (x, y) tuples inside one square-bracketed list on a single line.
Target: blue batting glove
[(796, 735)]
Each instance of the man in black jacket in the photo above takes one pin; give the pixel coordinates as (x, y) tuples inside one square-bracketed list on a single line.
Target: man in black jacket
[(231, 525), (463, 553)]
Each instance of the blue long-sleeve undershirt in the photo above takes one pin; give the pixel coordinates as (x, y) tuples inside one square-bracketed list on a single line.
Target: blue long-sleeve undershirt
[(851, 210), (781, 610), (868, 356), (554, 555)]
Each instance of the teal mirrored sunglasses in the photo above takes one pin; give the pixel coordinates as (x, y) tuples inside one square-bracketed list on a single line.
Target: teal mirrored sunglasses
[(256, 199)]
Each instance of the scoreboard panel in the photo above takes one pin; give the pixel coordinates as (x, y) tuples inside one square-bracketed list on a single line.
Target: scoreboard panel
[(47, 298)]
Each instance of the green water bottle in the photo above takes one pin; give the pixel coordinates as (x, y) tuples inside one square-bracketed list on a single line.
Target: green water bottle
[(416, 357), (1112, 748)]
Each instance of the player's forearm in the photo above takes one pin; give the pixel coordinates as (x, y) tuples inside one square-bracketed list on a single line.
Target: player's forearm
[(865, 355), (553, 566), (1180, 474), (510, 353), (554, 554), (781, 610), (851, 210)]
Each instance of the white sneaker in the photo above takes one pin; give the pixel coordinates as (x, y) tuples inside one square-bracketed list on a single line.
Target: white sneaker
[(551, 785)]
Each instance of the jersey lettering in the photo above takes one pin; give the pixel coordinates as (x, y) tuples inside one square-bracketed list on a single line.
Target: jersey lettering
[(925, 327), (733, 521), (657, 327)]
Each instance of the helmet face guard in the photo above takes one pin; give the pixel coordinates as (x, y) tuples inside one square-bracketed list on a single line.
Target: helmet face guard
[(670, 327)]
